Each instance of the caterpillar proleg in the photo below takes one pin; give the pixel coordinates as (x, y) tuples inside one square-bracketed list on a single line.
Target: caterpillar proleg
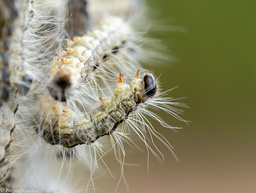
[(74, 83)]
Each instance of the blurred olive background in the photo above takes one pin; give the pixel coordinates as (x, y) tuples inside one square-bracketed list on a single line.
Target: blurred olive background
[(216, 71)]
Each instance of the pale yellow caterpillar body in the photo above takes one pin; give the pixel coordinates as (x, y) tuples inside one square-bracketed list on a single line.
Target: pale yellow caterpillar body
[(89, 92)]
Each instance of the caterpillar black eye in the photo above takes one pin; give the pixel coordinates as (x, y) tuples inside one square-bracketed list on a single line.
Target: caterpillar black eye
[(149, 85)]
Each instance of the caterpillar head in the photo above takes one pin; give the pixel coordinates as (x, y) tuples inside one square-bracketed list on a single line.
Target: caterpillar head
[(60, 85), (144, 88)]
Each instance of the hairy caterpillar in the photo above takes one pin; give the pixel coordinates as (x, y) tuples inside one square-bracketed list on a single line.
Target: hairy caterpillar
[(69, 129), (63, 105), (15, 79)]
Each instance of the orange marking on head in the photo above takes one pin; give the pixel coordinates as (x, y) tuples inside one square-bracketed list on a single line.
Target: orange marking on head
[(137, 74), (121, 78), (101, 99)]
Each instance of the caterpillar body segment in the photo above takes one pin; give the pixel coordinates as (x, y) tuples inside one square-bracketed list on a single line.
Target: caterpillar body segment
[(68, 128)]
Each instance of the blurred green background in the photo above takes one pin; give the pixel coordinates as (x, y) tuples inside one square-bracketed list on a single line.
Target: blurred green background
[(217, 73)]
